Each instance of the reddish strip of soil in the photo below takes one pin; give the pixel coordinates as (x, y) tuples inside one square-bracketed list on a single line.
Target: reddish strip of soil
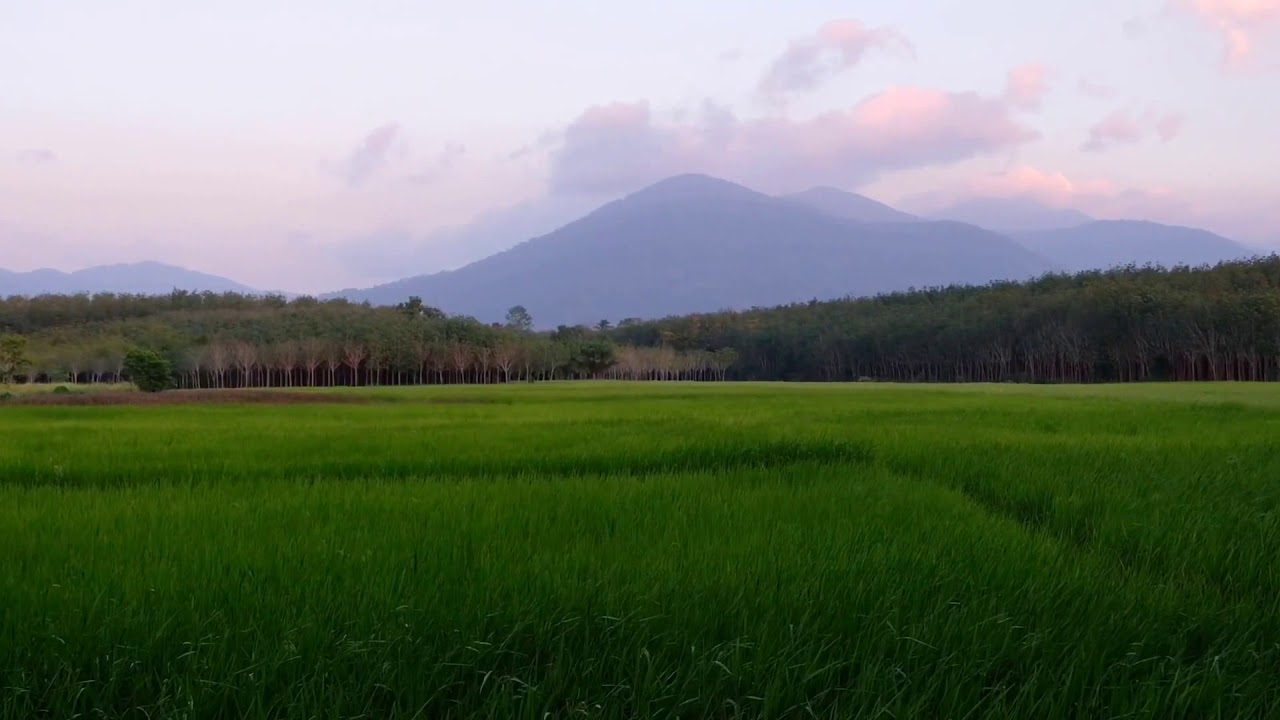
[(187, 397)]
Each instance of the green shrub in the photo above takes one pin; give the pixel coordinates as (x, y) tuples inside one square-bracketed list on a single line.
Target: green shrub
[(148, 370), (594, 357), (62, 390)]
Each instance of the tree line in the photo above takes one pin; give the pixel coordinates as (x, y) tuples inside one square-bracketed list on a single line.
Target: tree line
[(233, 341), (1122, 325)]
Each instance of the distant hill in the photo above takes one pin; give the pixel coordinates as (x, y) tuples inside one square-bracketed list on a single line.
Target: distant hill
[(1012, 215), (144, 278), (694, 243), (849, 206), (1110, 243)]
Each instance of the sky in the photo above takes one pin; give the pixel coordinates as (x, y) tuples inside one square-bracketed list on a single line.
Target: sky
[(303, 146)]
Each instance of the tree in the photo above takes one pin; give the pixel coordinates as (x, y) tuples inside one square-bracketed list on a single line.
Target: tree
[(287, 356), (461, 356), (245, 357), (148, 370), (13, 357), (518, 318), (353, 353), (411, 307), (507, 354), (218, 358), (192, 366), (595, 356), (312, 352), (414, 308), (722, 360), (568, 333)]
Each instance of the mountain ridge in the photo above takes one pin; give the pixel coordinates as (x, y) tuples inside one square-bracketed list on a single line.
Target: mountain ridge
[(1103, 244), (147, 277), (694, 243)]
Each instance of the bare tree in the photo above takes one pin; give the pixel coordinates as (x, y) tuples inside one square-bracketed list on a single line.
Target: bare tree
[(422, 353), (438, 361), (311, 354), (353, 353), (218, 358), (245, 356), (506, 355), (332, 361), (194, 360), (287, 356), (461, 356), (484, 356)]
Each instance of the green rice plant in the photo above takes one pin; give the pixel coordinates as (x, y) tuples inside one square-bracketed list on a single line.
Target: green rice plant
[(617, 551)]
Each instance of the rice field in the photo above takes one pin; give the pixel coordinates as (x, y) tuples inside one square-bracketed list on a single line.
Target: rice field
[(609, 550)]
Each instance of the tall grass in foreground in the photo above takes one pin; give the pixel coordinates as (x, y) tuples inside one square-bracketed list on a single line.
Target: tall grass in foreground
[(633, 551)]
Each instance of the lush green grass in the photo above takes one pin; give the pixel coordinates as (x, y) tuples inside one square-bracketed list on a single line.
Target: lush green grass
[(609, 550), (41, 388)]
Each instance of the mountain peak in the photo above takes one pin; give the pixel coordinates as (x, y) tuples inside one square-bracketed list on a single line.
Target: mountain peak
[(691, 186), (694, 243)]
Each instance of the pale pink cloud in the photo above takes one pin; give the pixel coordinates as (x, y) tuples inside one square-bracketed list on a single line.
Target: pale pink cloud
[(1123, 127), (1118, 128), (1027, 85), (1250, 219), (1053, 189), (621, 147), (1241, 23), (911, 125), (835, 47)]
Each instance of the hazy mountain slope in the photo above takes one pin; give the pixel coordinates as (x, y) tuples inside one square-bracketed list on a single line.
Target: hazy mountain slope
[(387, 254), (1009, 215), (849, 206), (1109, 243), (146, 278), (694, 243)]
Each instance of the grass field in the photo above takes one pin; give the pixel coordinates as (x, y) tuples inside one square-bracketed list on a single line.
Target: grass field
[(613, 550), (42, 388)]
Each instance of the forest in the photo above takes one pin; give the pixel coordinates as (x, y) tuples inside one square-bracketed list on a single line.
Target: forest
[(1122, 325), (235, 341)]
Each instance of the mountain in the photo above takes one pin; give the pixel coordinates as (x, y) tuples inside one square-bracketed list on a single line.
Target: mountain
[(144, 278), (694, 243), (1012, 215), (848, 206), (1109, 243)]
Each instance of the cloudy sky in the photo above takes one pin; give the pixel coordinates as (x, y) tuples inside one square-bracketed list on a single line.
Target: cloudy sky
[(299, 145)]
